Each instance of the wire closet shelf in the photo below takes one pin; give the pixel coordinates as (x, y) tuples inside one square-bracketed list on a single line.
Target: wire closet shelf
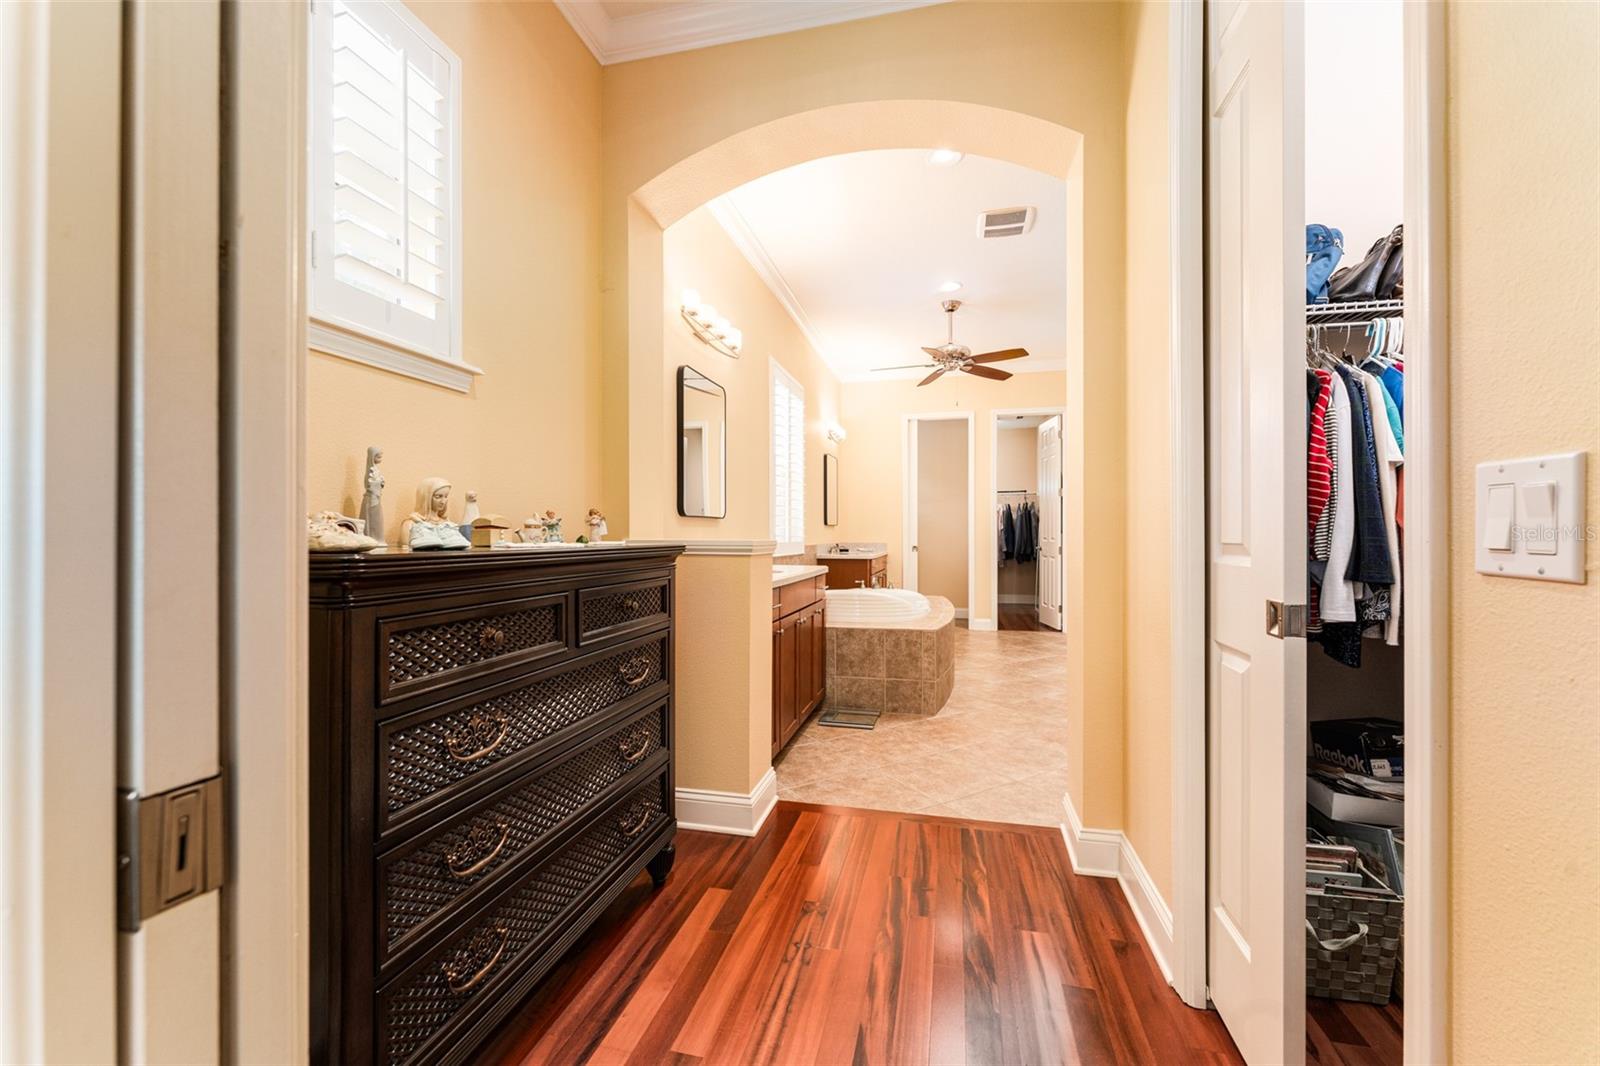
[(1353, 312)]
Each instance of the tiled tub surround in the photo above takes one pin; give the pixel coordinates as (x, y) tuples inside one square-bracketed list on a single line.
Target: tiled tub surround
[(996, 752), (894, 668)]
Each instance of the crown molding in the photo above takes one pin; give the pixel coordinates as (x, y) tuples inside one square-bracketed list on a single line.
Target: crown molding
[(703, 23), (744, 238)]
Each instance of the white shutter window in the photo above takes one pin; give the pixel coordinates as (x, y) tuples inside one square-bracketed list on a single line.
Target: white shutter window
[(788, 463), (385, 165)]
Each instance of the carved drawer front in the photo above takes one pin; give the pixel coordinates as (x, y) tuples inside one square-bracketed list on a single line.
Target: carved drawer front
[(422, 1004), (422, 881), (612, 610), (421, 652), (419, 759)]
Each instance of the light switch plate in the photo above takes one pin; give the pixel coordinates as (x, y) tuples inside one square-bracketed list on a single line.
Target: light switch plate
[(1543, 546)]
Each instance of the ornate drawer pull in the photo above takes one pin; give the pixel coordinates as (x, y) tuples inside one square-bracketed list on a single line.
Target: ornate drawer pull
[(629, 677), (454, 970), (490, 638), (630, 603), (479, 737), (631, 757), (463, 859), (631, 831)]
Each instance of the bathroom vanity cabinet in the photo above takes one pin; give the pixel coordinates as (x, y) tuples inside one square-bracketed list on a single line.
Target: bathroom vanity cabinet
[(799, 653), (870, 573)]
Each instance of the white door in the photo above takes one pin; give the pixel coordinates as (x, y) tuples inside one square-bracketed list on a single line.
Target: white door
[(1255, 551), (1052, 575), (908, 557)]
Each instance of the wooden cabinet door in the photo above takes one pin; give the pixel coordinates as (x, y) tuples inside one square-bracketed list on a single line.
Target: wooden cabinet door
[(777, 687), (819, 656), (787, 668)]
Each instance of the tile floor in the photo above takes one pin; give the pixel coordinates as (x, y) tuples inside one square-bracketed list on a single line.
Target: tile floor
[(996, 752)]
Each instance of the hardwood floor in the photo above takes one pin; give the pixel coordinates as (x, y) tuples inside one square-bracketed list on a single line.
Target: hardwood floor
[(1020, 618), (1357, 1034), (848, 936)]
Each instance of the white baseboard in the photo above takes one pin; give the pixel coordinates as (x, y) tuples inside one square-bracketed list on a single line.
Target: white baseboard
[(961, 612), (735, 813), (1109, 853), (986, 625), (1093, 851)]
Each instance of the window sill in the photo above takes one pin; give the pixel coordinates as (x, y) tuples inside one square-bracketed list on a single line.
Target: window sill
[(370, 351)]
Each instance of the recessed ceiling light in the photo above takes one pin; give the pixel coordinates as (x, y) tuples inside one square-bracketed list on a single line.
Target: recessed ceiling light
[(950, 286), (944, 157)]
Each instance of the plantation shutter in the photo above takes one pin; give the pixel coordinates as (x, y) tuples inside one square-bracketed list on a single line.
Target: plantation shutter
[(788, 460), (384, 229)]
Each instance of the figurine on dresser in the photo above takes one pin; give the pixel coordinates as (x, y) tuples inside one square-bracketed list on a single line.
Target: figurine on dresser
[(428, 528), (597, 525), (372, 495)]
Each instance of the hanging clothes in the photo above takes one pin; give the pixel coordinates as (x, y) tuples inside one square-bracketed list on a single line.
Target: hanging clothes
[(1369, 561), (1008, 531), (1024, 546), (1338, 598), (1390, 458)]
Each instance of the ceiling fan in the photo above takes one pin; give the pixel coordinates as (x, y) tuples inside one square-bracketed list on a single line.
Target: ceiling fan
[(951, 356)]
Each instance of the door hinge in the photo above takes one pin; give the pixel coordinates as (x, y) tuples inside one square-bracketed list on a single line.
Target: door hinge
[(169, 849), (1286, 619)]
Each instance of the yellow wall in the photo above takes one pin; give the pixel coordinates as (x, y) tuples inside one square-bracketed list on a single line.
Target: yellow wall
[(1147, 756), (529, 435), (944, 501), (724, 661), (697, 254), (1524, 151), (872, 460)]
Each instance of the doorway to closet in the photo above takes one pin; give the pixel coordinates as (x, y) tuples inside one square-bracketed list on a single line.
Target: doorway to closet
[(1309, 908), (1029, 589)]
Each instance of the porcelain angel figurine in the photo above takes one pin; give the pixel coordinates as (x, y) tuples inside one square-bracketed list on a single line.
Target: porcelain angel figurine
[(597, 524), (428, 529), (552, 527), (372, 495)]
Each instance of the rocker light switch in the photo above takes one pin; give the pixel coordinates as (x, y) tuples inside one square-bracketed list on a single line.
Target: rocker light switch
[(1531, 520), (1498, 517), (1538, 505)]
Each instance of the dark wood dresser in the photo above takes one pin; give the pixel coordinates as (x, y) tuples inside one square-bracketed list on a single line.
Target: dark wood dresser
[(491, 764)]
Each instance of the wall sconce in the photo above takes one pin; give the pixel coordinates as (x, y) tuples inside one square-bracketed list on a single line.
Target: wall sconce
[(836, 434), (710, 326)]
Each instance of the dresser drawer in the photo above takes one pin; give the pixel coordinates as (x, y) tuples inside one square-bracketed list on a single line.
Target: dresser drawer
[(423, 756), (422, 881), (419, 1009), (615, 610), (422, 652)]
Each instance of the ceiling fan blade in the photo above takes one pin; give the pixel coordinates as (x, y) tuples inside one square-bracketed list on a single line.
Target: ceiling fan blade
[(908, 366), (995, 357), (987, 372), (935, 376), (936, 353)]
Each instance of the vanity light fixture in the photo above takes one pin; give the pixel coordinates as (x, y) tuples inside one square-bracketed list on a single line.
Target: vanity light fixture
[(836, 434), (950, 286), (945, 157), (710, 326)]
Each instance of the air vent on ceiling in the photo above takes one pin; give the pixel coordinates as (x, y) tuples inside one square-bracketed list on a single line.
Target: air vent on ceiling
[(1005, 222)]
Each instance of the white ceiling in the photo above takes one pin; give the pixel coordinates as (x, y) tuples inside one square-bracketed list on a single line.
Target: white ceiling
[(617, 31), (857, 245)]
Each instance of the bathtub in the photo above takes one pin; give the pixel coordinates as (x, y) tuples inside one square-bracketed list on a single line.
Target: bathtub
[(871, 607), (889, 650)]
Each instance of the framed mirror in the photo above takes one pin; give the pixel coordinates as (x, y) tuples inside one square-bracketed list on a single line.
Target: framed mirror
[(702, 446), (830, 489)]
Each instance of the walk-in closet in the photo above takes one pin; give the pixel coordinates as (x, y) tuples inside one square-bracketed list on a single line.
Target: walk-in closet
[(1017, 520), (1355, 512)]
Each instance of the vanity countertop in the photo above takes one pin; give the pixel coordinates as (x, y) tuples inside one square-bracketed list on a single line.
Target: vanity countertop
[(788, 575), (879, 554)]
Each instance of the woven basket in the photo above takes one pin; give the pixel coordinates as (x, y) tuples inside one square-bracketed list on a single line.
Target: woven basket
[(1352, 946)]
